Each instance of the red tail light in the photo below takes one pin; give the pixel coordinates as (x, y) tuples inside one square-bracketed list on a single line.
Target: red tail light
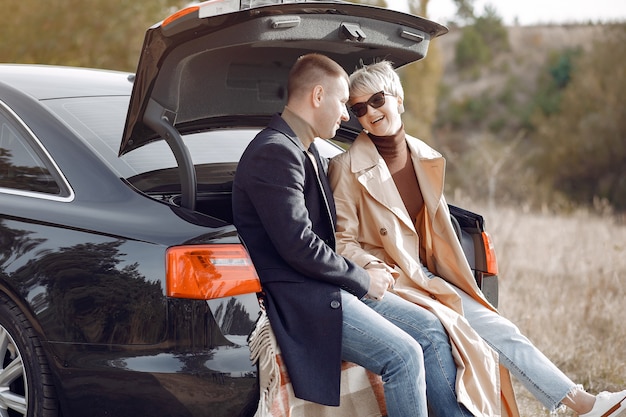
[(180, 14), (490, 254), (205, 272), (205, 9)]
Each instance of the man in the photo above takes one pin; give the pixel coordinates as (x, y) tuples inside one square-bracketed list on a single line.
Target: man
[(322, 307)]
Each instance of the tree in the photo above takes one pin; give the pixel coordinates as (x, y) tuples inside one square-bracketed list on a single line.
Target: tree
[(583, 144), (553, 80), (421, 84), (480, 41), (465, 9), (99, 33), (471, 50)]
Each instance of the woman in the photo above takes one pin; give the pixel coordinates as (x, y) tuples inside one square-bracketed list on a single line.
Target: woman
[(392, 214)]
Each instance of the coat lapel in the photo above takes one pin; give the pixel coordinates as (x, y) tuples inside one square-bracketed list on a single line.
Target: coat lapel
[(323, 184), (430, 170), (375, 177), (373, 174), (279, 124)]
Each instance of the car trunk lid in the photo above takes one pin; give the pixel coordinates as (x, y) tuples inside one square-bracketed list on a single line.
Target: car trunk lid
[(214, 65)]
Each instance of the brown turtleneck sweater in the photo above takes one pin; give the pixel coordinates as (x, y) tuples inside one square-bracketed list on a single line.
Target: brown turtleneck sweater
[(395, 152)]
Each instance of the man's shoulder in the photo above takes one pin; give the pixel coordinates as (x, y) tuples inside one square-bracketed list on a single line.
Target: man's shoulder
[(272, 140), (276, 131), (270, 146), (278, 126)]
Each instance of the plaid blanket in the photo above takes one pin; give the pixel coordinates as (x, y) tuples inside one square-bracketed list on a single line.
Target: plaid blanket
[(361, 390)]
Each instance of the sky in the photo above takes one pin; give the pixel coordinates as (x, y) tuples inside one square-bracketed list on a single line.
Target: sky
[(532, 12)]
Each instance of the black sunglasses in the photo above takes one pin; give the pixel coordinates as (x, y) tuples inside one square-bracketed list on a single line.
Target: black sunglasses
[(376, 100)]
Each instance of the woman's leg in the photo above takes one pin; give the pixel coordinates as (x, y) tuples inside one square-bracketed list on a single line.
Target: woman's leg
[(531, 367)]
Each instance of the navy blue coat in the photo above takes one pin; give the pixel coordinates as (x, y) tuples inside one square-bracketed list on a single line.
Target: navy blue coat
[(288, 227)]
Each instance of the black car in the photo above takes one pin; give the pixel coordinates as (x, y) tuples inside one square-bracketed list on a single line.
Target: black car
[(124, 288)]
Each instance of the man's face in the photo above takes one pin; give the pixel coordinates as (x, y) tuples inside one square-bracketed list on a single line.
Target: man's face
[(333, 108)]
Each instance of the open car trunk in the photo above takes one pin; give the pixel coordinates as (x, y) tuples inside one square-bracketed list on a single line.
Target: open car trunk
[(215, 66), (222, 66)]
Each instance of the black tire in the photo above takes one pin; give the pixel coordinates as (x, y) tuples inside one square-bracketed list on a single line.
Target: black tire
[(26, 387)]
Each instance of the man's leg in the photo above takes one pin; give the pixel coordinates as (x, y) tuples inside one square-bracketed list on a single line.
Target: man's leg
[(371, 341), (427, 330)]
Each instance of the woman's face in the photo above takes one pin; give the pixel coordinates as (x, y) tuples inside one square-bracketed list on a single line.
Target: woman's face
[(379, 120)]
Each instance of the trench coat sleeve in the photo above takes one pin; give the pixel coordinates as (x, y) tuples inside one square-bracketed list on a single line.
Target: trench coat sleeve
[(346, 191)]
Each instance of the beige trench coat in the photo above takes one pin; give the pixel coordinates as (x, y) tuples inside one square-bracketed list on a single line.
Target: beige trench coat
[(374, 228)]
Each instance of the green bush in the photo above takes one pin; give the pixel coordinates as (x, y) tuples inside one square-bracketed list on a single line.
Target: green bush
[(471, 50), (480, 41), (581, 140)]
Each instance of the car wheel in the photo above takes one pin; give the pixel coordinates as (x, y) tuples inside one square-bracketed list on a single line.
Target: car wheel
[(26, 387)]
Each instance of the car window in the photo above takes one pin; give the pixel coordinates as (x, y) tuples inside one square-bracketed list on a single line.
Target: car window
[(21, 168), (215, 154), (99, 121), (153, 168)]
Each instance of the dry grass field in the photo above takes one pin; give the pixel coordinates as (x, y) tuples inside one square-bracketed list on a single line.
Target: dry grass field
[(563, 282)]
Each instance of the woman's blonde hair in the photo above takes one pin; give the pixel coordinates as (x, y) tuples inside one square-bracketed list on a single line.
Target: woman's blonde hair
[(370, 79)]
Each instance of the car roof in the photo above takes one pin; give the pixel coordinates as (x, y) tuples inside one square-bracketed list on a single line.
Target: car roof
[(209, 65), (45, 82)]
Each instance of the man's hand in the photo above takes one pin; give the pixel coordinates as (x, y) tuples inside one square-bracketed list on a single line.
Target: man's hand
[(380, 281)]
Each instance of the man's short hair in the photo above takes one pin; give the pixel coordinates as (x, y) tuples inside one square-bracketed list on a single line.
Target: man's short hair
[(310, 70)]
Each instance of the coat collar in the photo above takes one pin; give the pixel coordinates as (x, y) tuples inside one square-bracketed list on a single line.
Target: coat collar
[(279, 124), (302, 129), (372, 172)]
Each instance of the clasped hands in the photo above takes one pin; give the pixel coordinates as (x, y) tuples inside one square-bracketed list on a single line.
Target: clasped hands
[(381, 280)]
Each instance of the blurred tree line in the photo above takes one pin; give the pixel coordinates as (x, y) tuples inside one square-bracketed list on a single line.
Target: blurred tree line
[(581, 139), (558, 143), (96, 33), (563, 144)]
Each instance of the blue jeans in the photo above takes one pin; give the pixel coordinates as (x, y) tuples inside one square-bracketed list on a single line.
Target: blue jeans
[(525, 362), (409, 348)]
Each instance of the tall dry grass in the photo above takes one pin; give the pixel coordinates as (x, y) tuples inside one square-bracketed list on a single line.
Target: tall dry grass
[(563, 282)]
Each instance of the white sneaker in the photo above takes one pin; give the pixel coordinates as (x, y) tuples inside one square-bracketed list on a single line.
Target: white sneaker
[(608, 404)]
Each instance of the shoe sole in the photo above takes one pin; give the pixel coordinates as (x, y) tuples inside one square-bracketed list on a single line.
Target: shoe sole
[(610, 412)]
